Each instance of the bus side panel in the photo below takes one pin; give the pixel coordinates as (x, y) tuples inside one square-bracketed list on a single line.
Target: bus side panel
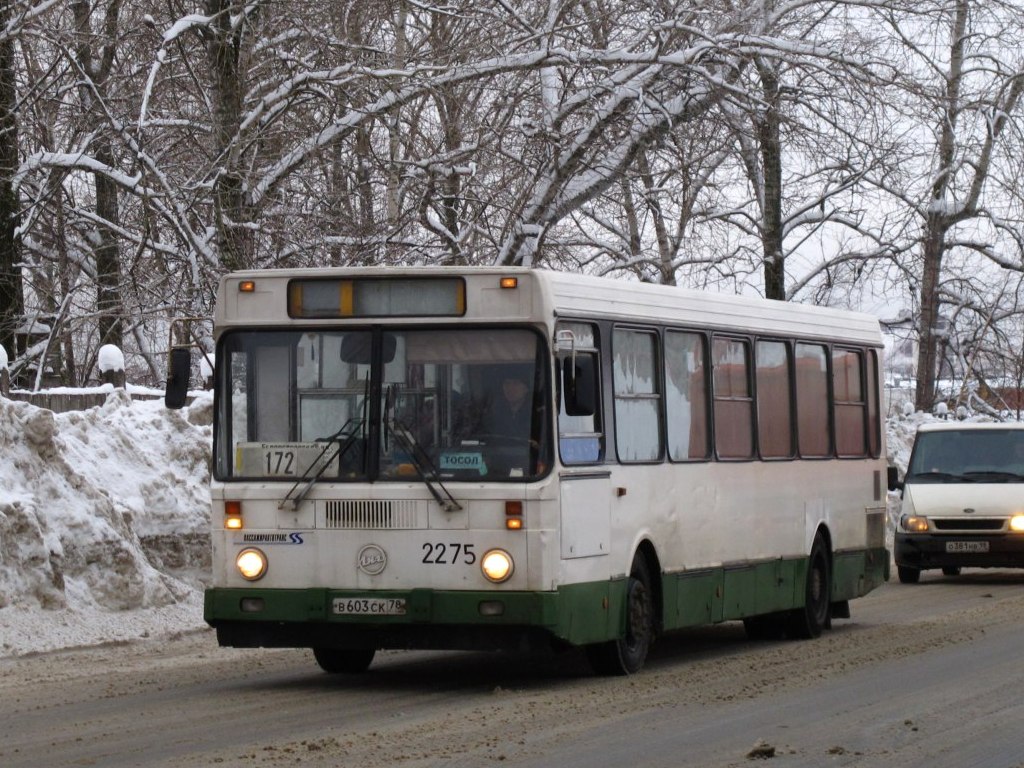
[(697, 598), (857, 572), (591, 612)]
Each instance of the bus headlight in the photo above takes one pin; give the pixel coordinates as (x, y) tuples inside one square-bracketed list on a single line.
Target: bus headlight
[(914, 523), (497, 565), (251, 563), (1017, 523)]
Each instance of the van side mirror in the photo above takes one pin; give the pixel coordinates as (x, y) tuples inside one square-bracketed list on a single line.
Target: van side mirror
[(895, 484), (579, 385), (178, 369)]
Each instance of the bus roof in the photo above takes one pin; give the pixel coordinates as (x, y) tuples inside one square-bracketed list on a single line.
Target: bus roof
[(587, 297)]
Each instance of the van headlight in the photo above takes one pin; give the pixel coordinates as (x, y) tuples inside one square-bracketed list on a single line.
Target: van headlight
[(1017, 523), (251, 563), (914, 523)]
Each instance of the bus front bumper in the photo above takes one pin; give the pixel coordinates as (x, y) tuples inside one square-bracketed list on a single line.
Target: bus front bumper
[(429, 619)]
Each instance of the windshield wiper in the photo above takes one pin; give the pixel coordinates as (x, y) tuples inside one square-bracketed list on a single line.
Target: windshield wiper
[(420, 459), (343, 440), (936, 475), (994, 474)]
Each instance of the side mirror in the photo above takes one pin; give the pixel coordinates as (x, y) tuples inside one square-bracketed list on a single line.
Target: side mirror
[(579, 385), (178, 369), (895, 484)]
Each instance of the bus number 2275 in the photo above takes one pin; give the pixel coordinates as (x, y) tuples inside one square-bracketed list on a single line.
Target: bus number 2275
[(448, 554)]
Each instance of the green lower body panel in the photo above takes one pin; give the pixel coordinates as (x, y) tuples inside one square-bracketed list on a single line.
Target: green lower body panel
[(575, 614)]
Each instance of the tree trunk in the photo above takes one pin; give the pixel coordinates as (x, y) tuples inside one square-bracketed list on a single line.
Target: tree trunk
[(770, 141), (108, 258), (234, 241), (12, 304), (938, 220), (97, 64)]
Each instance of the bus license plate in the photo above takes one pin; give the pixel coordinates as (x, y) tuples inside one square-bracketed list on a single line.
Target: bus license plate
[(369, 606), (966, 546)]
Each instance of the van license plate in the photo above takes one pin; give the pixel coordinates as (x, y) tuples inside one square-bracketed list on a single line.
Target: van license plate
[(966, 546)]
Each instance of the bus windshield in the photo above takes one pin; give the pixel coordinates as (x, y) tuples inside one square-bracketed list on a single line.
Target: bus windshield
[(383, 405)]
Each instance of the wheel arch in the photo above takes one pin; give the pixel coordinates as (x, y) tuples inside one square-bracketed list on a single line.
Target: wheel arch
[(645, 549)]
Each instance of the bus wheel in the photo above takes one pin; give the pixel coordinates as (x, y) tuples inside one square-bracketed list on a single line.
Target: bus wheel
[(349, 661), (626, 655), (809, 621), (908, 575)]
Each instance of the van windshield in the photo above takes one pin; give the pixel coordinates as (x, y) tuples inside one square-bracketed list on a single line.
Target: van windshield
[(967, 455)]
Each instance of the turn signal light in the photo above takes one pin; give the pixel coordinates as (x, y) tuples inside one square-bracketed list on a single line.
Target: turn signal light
[(247, 286), (509, 282), (514, 515), (233, 515)]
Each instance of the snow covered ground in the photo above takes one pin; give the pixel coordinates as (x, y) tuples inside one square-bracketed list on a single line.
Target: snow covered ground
[(104, 516)]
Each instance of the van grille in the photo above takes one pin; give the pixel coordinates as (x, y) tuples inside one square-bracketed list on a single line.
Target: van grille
[(968, 524), (369, 515)]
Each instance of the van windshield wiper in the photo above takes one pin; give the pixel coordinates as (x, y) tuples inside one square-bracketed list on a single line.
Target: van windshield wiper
[(420, 459), (341, 441), (995, 475), (936, 475)]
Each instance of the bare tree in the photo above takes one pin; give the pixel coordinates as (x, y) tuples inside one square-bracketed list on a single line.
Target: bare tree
[(963, 70), (11, 292)]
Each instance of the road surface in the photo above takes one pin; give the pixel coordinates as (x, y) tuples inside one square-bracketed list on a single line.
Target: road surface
[(930, 674)]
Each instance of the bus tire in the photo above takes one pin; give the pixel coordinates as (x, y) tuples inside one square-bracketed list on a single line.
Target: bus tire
[(808, 622), (626, 655), (908, 575), (344, 661)]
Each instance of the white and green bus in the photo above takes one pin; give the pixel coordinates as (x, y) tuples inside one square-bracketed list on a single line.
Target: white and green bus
[(492, 458)]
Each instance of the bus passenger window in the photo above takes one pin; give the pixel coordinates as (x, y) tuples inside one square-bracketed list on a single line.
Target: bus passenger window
[(580, 437), (874, 422), (774, 411), (637, 399), (734, 405), (849, 407), (812, 400), (686, 396)]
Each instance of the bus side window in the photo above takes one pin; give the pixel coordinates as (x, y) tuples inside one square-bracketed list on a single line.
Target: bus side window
[(580, 435)]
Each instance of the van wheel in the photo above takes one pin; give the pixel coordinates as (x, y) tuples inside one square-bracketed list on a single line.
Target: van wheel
[(347, 661), (626, 655), (809, 621), (908, 575)]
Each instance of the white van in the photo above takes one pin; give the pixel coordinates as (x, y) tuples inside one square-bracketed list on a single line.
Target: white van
[(963, 499)]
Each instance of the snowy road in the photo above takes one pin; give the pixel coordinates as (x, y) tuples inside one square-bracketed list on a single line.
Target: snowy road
[(923, 675)]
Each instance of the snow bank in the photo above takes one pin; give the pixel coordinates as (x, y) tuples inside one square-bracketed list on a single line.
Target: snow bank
[(102, 512)]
